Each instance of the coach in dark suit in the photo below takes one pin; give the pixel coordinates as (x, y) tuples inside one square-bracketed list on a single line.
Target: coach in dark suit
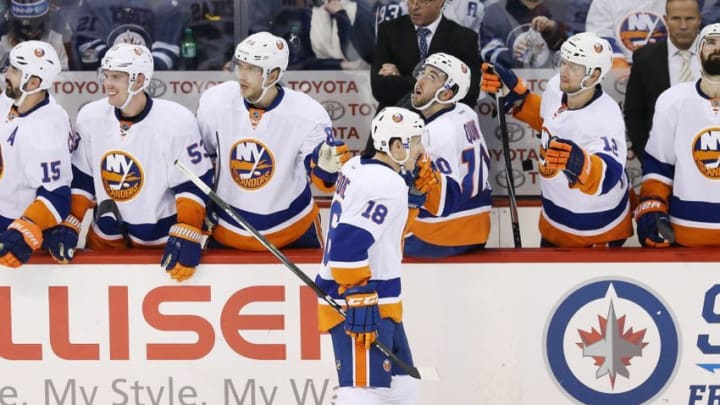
[(403, 42), (658, 66)]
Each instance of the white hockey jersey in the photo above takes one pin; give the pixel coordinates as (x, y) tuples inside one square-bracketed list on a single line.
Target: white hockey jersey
[(364, 242), (132, 163), (570, 216), (34, 162), (262, 162), (682, 163), (627, 25), (456, 146)]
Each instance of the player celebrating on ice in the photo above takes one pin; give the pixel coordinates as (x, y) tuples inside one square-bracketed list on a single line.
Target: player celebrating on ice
[(362, 260), (267, 141), (126, 146), (35, 169), (585, 195)]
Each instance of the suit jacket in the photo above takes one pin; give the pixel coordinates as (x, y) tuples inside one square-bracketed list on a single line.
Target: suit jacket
[(397, 44), (649, 76)]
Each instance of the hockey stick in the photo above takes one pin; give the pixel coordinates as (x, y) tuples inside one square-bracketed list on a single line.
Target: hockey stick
[(110, 207), (412, 371), (509, 177)]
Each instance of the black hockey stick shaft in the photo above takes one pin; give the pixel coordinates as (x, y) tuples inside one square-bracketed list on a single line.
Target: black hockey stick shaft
[(110, 206), (509, 176), (412, 371)]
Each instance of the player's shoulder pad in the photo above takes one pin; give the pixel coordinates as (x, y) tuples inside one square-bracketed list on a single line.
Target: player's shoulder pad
[(94, 110), (220, 94), (674, 96)]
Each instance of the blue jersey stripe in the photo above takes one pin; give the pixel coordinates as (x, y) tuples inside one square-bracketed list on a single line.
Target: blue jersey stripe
[(583, 221), (697, 211), (262, 222)]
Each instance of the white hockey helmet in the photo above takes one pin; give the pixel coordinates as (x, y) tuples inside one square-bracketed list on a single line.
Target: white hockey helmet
[(133, 60), (589, 50), (395, 122), (710, 29), (265, 50), (458, 77), (35, 58)]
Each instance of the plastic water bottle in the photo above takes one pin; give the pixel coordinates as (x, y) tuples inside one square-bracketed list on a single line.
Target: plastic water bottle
[(188, 50), (295, 44)]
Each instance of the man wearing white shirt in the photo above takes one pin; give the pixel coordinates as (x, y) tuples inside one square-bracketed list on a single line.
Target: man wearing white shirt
[(658, 66)]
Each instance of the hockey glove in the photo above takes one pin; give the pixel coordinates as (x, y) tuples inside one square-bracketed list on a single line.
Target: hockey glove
[(328, 158), (18, 242), (182, 252), (363, 315), (653, 223), (62, 240), (498, 79), (565, 155)]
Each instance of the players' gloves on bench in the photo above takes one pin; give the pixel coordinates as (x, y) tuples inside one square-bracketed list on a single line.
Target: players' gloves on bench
[(328, 158), (363, 315), (21, 238), (182, 252), (496, 78), (62, 240), (565, 155), (649, 214)]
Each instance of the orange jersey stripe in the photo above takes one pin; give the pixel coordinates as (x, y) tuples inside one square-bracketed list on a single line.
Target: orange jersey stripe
[(79, 204), (529, 112), (40, 215), (468, 230), (696, 237), (190, 212), (654, 188), (361, 365), (279, 239), (564, 239)]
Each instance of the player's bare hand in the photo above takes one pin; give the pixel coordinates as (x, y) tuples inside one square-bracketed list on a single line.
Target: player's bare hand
[(389, 69), (520, 47), (543, 24)]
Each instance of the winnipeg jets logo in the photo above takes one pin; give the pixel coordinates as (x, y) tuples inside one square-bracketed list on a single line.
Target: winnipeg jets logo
[(122, 176), (706, 152), (251, 164), (611, 347), (611, 341)]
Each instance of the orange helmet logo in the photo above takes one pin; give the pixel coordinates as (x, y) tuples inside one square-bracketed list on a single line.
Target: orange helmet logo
[(39, 52), (397, 117), (279, 45)]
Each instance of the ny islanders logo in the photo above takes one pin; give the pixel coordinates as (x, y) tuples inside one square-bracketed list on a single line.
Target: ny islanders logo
[(611, 342), (640, 28), (706, 152), (121, 174), (251, 164)]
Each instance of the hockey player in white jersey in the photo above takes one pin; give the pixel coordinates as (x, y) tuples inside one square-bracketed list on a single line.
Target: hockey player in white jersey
[(268, 141), (456, 216), (585, 196), (127, 144), (361, 265), (35, 168), (680, 198)]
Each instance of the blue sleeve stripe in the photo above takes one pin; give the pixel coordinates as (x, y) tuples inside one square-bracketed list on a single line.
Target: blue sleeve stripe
[(82, 181), (613, 172), (59, 200), (189, 187), (349, 243), (650, 165), (143, 232), (584, 221), (697, 211)]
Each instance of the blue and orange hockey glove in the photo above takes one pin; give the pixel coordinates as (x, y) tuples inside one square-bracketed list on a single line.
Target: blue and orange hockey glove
[(21, 238), (62, 240), (182, 252), (496, 78), (653, 223), (363, 314), (565, 155)]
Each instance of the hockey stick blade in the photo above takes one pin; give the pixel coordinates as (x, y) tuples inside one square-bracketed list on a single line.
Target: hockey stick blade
[(665, 230), (110, 207), (412, 371)]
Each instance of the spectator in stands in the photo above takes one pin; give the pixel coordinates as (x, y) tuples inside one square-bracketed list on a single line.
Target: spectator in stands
[(30, 20), (405, 42), (658, 66), (680, 197), (509, 39), (627, 25), (97, 19)]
